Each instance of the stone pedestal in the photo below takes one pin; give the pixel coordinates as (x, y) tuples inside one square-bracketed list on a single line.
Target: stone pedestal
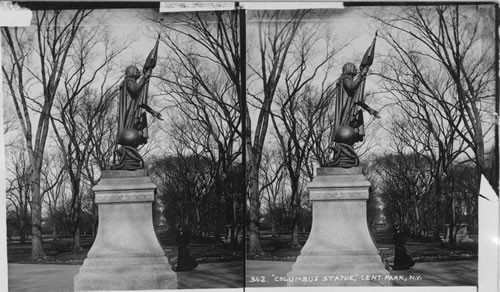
[(126, 254), (339, 250)]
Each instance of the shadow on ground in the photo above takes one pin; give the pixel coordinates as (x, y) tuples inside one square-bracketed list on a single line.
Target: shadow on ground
[(59, 278)]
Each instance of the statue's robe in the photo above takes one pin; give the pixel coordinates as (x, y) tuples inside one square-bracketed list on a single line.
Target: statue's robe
[(130, 113), (347, 112)]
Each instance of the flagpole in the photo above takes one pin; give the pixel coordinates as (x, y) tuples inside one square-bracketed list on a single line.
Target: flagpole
[(366, 62)]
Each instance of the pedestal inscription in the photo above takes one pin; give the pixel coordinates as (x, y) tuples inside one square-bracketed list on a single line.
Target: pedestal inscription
[(126, 254), (339, 250)]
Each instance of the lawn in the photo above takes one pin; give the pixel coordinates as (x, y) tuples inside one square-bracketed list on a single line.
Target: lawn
[(60, 251), (278, 248)]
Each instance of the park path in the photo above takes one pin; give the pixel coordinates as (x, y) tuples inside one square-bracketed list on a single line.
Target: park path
[(59, 278), (55, 278), (446, 273), (41, 278)]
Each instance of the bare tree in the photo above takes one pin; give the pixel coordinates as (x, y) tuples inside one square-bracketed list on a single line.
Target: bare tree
[(53, 183), (9, 119), (273, 175), (33, 85), (18, 193), (423, 134), (186, 181), (190, 187), (416, 172), (202, 79), (102, 134), (406, 183), (81, 111), (443, 58), (299, 107), (441, 79), (276, 31)]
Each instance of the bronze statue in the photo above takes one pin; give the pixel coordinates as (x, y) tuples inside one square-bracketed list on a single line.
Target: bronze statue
[(349, 106), (132, 120)]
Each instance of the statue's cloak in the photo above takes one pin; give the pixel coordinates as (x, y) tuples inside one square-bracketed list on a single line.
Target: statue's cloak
[(347, 97), (130, 114), (345, 107)]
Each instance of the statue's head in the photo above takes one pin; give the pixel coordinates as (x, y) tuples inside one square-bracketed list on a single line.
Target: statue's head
[(132, 71), (349, 69)]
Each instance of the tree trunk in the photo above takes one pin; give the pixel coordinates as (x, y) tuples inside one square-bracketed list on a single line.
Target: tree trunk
[(54, 230), (75, 209), (295, 236), (253, 224), (232, 237), (234, 226), (481, 163), (295, 213), (438, 224), (22, 231), (76, 240), (94, 229), (452, 232), (36, 216), (95, 218), (273, 226), (418, 231)]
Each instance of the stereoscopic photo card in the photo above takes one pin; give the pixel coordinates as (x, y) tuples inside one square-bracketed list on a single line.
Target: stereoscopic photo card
[(250, 146)]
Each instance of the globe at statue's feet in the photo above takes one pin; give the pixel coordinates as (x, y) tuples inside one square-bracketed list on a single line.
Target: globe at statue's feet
[(130, 137), (126, 155), (344, 155), (345, 135)]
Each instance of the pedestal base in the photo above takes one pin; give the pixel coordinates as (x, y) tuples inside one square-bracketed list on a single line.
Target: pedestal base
[(126, 254), (125, 273), (339, 250)]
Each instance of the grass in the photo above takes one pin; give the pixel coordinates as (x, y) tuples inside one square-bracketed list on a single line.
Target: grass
[(60, 251), (57, 251), (211, 250), (279, 249)]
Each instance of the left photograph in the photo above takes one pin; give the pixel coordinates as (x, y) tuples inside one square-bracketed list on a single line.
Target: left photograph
[(124, 165)]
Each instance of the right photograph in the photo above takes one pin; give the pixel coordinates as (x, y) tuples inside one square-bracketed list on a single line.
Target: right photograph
[(368, 131)]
